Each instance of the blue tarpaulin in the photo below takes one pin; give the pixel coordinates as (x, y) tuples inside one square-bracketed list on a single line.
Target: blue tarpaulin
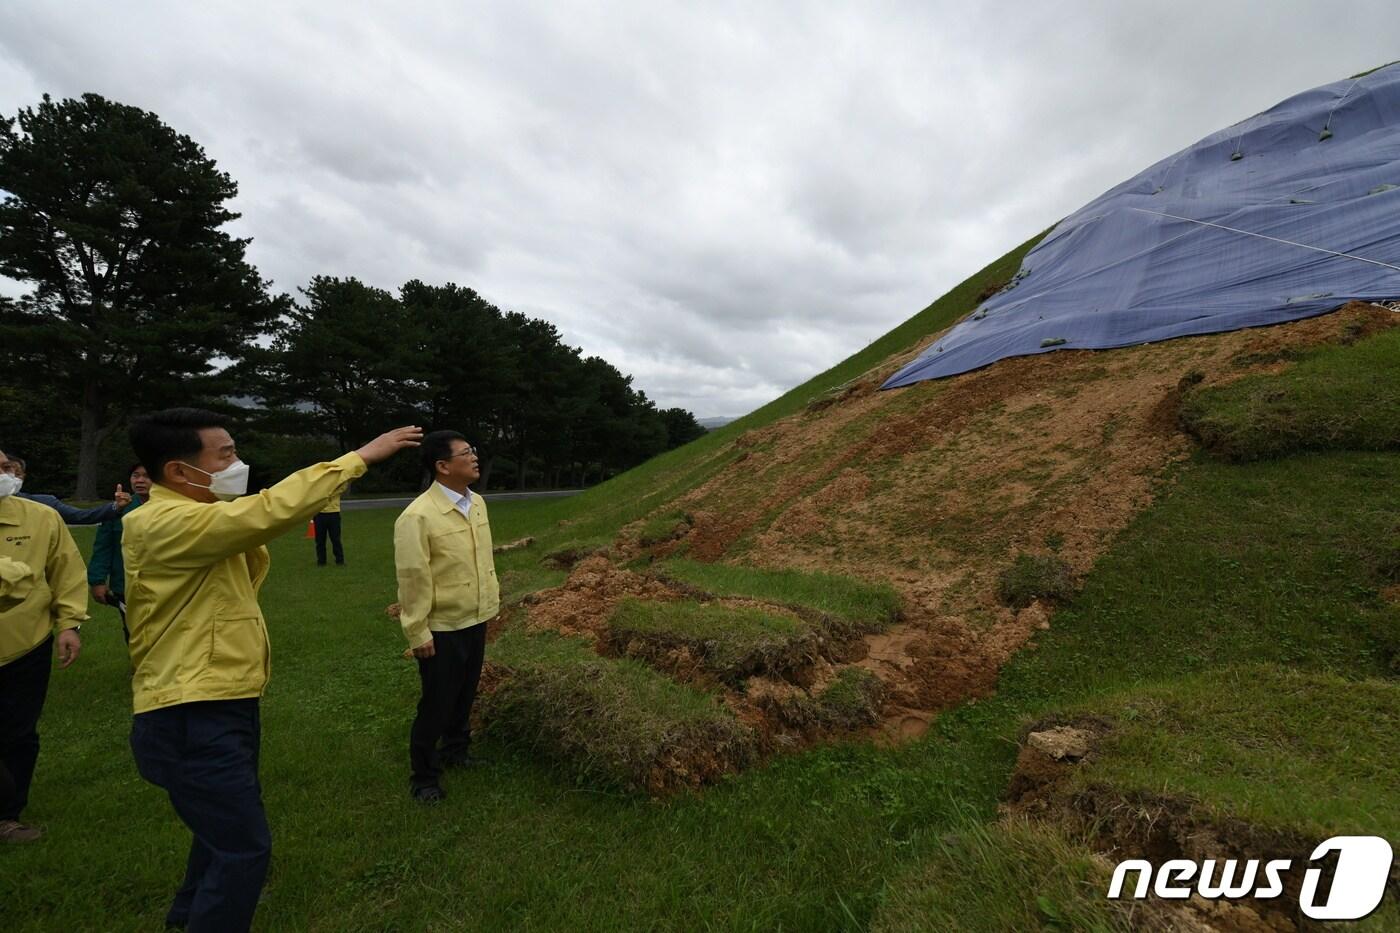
[(1287, 215)]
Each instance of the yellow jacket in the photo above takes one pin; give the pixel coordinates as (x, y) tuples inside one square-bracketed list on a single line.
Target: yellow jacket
[(447, 576), (193, 570), (44, 579), (332, 504)]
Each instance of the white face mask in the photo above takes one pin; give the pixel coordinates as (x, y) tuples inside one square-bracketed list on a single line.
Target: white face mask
[(9, 484), (229, 483)]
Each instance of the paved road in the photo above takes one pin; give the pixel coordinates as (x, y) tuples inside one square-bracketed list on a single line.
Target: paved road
[(354, 505)]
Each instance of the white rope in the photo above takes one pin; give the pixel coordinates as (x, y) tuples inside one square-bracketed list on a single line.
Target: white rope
[(1319, 249), (1328, 124)]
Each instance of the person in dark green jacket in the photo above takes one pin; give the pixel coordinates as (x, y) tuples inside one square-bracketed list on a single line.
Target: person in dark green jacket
[(106, 571)]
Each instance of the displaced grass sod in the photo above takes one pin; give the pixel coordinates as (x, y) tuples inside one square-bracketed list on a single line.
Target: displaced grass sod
[(1232, 738), (1334, 398), (852, 604), (1034, 576), (732, 642), (852, 700), (663, 527), (608, 722)]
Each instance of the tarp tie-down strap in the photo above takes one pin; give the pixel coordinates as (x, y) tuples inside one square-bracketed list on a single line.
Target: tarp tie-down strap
[(1262, 236)]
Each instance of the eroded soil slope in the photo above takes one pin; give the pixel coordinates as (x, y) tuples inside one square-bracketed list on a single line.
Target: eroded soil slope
[(937, 488)]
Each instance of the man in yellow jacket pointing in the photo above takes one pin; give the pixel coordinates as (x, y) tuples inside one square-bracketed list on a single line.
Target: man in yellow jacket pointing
[(195, 557)]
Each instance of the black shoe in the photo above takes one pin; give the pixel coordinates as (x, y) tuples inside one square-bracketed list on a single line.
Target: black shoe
[(430, 795)]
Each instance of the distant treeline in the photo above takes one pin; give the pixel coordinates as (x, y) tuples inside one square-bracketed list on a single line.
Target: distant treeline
[(140, 300), (349, 361)]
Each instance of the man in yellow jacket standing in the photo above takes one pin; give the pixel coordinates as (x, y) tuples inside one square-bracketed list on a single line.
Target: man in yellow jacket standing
[(447, 594), (195, 557), (40, 568)]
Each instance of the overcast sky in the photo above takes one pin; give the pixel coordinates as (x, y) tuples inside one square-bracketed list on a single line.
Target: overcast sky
[(721, 199)]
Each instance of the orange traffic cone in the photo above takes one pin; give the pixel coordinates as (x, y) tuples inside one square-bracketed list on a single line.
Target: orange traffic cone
[(311, 528)]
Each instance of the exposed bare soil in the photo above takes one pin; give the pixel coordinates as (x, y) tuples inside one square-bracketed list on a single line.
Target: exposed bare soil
[(935, 489)]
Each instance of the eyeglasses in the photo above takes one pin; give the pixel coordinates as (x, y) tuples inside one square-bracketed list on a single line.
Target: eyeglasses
[(468, 451)]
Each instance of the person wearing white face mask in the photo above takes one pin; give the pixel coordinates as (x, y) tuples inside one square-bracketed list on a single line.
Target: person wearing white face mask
[(39, 606), (195, 558)]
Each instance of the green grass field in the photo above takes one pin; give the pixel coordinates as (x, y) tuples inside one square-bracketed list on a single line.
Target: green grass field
[(1236, 564)]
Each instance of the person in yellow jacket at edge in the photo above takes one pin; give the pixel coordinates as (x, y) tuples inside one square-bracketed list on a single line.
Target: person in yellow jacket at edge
[(39, 605), (447, 594), (195, 557)]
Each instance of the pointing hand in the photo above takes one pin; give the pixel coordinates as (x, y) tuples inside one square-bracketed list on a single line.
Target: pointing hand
[(122, 499), (389, 443)]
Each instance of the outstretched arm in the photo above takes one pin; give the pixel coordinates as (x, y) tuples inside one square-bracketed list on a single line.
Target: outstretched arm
[(71, 514), (216, 530)]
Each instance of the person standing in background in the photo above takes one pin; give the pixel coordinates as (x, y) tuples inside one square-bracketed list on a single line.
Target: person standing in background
[(106, 571), (42, 602), (328, 526)]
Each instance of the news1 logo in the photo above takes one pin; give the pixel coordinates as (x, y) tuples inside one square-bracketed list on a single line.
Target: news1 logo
[(1358, 884)]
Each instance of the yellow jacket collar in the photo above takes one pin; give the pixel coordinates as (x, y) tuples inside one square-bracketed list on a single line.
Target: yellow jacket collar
[(440, 499)]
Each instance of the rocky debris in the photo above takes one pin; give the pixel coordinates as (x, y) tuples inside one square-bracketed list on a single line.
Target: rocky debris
[(1064, 743)]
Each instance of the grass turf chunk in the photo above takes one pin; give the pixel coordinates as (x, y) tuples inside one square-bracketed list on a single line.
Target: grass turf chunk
[(664, 527), (1336, 398), (850, 605), (1032, 577), (613, 722), (852, 700), (729, 642)]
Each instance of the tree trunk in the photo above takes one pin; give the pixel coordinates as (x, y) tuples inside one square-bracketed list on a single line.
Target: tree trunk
[(485, 481), (89, 438)]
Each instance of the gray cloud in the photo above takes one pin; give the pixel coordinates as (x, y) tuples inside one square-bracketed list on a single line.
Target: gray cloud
[(722, 199)]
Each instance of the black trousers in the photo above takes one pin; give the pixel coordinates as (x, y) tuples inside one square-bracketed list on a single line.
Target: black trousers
[(205, 756), (328, 525), (24, 682), (449, 680)]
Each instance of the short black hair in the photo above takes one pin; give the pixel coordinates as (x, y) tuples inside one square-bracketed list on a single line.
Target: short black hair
[(172, 434), (437, 445), (137, 466)]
